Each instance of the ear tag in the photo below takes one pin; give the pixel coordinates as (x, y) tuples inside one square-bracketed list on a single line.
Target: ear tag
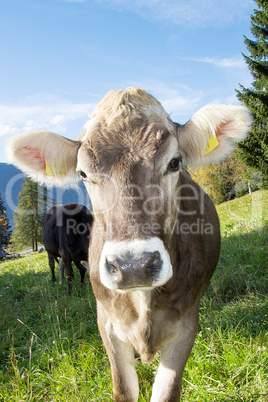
[(48, 170), (50, 173), (212, 144)]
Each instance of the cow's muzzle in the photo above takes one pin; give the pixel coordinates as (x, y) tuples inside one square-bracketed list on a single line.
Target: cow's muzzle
[(129, 273), (137, 264)]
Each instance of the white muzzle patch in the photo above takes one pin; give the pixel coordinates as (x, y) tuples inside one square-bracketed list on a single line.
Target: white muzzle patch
[(132, 254)]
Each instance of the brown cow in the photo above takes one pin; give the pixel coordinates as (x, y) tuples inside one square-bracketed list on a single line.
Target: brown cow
[(156, 239)]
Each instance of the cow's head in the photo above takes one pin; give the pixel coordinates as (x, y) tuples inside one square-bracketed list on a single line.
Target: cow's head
[(130, 157)]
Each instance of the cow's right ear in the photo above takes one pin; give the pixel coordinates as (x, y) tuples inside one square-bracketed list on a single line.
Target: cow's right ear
[(44, 156)]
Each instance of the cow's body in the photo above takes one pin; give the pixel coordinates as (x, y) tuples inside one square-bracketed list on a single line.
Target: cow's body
[(155, 241), (165, 318), (66, 234)]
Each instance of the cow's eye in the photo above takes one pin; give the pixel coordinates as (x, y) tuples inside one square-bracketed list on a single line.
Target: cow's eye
[(82, 174), (174, 164)]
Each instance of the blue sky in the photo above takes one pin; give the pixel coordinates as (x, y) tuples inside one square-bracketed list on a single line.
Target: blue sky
[(60, 57)]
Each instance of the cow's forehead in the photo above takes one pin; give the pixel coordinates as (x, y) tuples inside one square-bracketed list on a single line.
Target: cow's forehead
[(143, 145), (130, 126), (129, 108), (129, 103)]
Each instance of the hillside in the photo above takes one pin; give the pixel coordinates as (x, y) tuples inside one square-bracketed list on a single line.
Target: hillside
[(242, 268), (12, 180), (244, 214)]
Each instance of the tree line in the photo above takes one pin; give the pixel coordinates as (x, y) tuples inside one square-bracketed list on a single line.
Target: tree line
[(245, 170), (29, 215), (33, 202)]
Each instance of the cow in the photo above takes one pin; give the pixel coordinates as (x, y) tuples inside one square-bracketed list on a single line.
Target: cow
[(155, 242), (66, 233)]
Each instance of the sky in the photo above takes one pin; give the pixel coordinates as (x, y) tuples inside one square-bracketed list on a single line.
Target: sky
[(58, 58)]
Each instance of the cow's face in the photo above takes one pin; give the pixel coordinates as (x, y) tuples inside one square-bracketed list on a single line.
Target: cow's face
[(134, 188), (130, 158)]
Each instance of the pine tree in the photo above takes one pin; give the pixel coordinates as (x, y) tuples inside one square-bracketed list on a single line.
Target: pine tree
[(5, 229), (29, 215), (254, 150)]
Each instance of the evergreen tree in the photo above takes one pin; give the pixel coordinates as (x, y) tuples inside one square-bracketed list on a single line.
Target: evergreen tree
[(5, 229), (254, 150), (29, 214)]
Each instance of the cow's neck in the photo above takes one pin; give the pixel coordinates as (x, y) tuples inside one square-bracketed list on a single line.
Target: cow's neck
[(143, 340)]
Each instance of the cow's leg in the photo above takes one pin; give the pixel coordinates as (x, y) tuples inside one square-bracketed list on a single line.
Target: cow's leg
[(82, 270), (61, 271), (51, 262), (67, 264), (174, 357), (121, 356)]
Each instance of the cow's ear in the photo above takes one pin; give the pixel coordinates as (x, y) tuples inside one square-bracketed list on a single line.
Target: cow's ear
[(209, 136), (45, 157)]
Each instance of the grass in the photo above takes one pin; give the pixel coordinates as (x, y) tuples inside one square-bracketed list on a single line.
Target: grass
[(51, 349)]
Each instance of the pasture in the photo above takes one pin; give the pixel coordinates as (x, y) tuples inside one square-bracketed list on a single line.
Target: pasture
[(51, 349)]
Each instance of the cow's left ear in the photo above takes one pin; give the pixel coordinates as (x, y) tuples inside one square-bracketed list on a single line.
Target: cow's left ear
[(209, 136), (44, 156)]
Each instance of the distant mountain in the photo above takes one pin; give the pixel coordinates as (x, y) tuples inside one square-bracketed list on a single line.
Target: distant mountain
[(11, 180)]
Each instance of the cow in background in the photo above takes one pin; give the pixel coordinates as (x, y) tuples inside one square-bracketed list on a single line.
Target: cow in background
[(155, 242), (66, 235)]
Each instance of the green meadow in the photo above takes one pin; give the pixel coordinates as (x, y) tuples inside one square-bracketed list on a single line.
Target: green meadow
[(51, 349)]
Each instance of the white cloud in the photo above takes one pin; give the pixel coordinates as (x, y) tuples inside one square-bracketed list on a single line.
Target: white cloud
[(198, 12), (234, 62), (54, 116), (59, 118)]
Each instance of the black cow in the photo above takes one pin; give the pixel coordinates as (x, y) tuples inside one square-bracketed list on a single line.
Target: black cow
[(66, 234)]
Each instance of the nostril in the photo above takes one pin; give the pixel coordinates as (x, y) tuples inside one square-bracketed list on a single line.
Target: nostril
[(112, 267), (150, 271), (155, 256), (152, 264)]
